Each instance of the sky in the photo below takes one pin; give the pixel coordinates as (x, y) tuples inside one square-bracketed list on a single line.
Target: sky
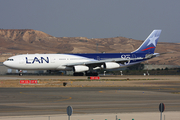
[(134, 19)]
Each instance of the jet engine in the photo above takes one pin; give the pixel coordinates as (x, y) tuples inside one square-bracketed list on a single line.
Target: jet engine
[(110, 65), (80, 68)]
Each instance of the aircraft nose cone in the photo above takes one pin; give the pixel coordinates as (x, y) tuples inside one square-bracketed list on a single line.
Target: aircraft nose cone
[(5, 63)]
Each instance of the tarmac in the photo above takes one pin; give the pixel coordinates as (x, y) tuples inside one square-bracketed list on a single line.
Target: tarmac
[(136, 98)]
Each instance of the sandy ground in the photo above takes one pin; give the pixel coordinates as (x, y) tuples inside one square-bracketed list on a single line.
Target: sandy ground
[(121, 116)]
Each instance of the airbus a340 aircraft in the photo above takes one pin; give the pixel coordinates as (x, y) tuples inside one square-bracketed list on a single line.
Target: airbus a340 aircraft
[(87, 63)]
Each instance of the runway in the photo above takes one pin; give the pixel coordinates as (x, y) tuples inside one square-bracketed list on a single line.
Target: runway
[(43, 101)]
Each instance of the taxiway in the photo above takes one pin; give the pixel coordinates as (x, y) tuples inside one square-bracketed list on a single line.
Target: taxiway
[(42, 101)]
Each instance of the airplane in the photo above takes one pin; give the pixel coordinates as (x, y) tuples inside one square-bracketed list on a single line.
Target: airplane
[(85, 62)]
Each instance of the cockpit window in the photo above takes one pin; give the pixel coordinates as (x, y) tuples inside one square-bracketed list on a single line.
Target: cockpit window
[(10, 59)]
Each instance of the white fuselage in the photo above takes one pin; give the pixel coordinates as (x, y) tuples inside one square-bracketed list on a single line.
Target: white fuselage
[(43, 61)]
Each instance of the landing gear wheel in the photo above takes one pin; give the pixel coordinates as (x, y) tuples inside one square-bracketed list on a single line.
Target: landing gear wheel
[(20, 74), (92, 74), (78, 74)]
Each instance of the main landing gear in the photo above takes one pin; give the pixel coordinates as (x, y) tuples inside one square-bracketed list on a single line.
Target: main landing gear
[(86, 74), (78, 74), (91, 74)]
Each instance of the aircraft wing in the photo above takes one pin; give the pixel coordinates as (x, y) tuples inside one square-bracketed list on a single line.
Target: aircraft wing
[(100, 62)]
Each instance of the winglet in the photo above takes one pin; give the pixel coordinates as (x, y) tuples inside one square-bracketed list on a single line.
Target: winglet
[(150, 43)]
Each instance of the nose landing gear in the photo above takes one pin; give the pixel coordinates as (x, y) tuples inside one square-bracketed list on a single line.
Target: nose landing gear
[(20, 72)]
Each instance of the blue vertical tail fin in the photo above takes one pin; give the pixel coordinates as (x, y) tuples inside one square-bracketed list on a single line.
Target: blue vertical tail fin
[(149, 45)]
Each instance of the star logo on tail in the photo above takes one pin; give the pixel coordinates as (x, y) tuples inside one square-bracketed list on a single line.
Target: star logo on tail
[(152, 40)]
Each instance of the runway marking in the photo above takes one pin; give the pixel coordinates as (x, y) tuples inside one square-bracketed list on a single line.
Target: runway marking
[(101, 91), (69, 98)]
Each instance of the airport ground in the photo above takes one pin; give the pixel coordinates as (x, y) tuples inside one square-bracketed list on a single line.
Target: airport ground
[(126, 96)]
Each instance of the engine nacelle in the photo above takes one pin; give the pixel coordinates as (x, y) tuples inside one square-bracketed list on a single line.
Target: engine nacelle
[(110, 65), (80, 68)]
